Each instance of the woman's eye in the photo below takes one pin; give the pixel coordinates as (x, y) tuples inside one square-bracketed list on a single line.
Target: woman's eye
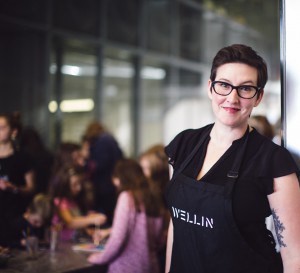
[(246, 88), (224, 85)]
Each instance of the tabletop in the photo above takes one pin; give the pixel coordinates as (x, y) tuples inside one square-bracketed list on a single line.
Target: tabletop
[(62, 260)]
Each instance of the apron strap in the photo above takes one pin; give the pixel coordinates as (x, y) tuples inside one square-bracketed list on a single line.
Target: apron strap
[(233, 173), (190, 156)]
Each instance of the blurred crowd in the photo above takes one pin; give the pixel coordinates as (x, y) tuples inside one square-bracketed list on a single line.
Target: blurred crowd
[(85, 191)]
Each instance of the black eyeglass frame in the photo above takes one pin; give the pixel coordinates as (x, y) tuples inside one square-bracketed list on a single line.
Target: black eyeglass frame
[(236, 88)]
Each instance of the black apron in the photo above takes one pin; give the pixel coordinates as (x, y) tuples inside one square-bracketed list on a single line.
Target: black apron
[(206, 238)]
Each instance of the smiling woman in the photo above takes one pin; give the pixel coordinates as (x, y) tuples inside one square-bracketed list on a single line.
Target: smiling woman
[(235, 177)]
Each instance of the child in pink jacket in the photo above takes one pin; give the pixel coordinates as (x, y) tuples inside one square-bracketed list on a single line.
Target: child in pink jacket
[(137, 231)]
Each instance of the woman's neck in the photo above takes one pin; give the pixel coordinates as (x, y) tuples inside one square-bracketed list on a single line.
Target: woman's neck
[(6, 149), (223, 136)]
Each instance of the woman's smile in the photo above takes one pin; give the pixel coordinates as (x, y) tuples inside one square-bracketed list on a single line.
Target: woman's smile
[(231, 110)]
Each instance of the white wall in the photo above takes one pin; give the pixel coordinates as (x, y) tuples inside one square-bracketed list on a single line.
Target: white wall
[(290, 57)]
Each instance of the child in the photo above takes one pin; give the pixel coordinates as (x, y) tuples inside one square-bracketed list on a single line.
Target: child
[(69, 197), (33, 221), (136, 234), (154, 163)]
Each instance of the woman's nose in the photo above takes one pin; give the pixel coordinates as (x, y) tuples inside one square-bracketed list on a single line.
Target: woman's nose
[(233, 96)]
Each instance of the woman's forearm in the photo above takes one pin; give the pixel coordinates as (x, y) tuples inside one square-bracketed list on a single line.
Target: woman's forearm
[(169, 247)]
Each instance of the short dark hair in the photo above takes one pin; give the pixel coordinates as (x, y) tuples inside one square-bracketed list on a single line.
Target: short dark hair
[(239, 53)]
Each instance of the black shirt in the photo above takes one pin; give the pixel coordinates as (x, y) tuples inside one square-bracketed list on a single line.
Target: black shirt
[(12, 205), (15, 166), (263, 161)]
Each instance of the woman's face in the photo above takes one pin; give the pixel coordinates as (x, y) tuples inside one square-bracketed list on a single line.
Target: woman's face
[(146, 166), (232, 110), (5, 130), (75, 184), (117, 182)]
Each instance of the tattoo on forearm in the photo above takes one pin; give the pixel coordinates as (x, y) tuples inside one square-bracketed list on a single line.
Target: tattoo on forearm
[(279, 228)]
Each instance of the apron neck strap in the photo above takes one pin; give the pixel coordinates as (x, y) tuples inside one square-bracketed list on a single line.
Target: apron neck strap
[(233, 173), (192, 154)]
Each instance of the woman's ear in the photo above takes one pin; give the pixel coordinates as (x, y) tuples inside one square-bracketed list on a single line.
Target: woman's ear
[(209, 89), (259, 98)]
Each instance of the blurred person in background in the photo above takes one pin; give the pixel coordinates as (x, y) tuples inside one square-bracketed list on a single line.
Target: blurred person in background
[(73, 154), (104, 152), (68, 153), (32, 144), (154, 163), (33, 222), (16, 175), (137, 231), (71, 210), (262, 125)]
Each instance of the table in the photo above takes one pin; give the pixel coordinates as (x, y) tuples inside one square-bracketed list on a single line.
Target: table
[(62, 260)]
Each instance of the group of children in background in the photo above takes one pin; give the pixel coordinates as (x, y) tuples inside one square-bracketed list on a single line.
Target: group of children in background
[(137, 231)]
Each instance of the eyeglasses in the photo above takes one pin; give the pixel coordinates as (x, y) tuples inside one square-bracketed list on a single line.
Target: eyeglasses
[(244, 91)]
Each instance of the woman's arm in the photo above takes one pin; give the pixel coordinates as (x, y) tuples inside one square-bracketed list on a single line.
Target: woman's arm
[(81, 221), (285, 206), (29, 183), (169, 247), (123, 216), (28, 188)]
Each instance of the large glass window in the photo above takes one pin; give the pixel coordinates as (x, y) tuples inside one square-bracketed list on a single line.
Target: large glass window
[(22, 81), (155, 83), (139, 67), (35, 11), (190, 106), (117, 98), (72, 99), (190, 33), (123, 26), (77, 15), (158, 26)]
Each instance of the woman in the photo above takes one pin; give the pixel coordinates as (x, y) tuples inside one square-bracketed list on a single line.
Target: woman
[(228, 178), (104, 152), (136, 234), (16, 177)]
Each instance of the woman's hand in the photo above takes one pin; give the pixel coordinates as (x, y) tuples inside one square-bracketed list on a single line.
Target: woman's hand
[(94, 258), (100, 234), (6, 185), (97, 219), (2, 184)]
